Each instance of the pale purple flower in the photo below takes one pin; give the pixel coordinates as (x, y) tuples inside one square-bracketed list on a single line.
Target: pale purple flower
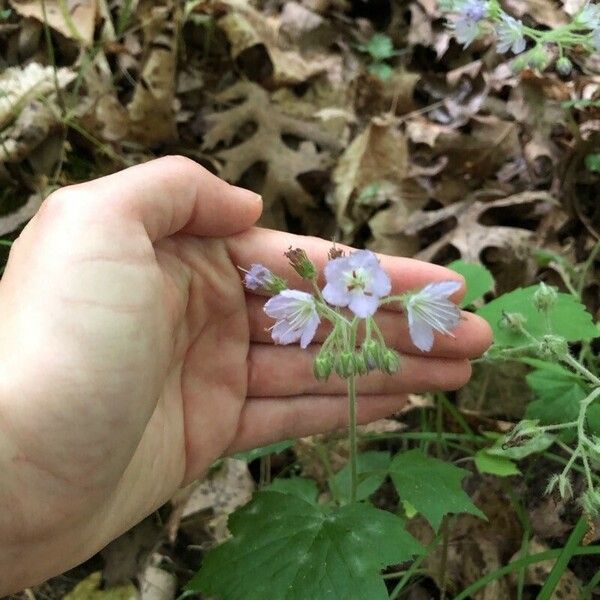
[(257, 277), (596, 39), (297, 317), (356, 281), (589, 16), (430, 310), (511, 35), (466, 22)]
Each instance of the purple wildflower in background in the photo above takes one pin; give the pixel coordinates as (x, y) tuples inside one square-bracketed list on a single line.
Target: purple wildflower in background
[(510, 35), (466, 23), (589, 16), (297, 317), (596, 39), (257, 277), (356, 281), (430, 310)]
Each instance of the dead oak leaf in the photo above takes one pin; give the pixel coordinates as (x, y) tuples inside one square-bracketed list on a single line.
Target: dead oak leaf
[(372, 169), (470, 237), (247, 28), (151, 110), (75, 19), (284, 164)]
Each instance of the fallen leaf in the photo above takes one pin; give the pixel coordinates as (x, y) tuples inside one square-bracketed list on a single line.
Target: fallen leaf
[(151, 110), (74, 19), (284, 165), (469, 237)]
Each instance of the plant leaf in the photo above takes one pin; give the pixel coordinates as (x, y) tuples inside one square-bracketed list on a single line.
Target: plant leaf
[(479, 280), (568, 318), (296, 486), (431, 485), (495, 465), (340, 483), (264, 451), (558, 394), (289, 549)]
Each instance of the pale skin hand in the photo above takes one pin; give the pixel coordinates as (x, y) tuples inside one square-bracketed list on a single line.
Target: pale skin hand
[(131, 357)]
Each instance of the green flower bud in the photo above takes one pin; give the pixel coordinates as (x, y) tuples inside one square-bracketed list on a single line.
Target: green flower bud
[(552, 346), (391, 361), (344, 365), (513, 321), (301, 263), (519, 63), (275, 285), (373, 354), (538, 58), (590, 500), (545, 297), (564, 65), (562, 484), (360, 364), (323, 365)]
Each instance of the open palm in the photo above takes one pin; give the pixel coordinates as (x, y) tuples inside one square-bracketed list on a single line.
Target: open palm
[(133, 358)]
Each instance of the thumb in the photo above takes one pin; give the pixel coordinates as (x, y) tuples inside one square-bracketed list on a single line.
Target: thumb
[(172, 194)]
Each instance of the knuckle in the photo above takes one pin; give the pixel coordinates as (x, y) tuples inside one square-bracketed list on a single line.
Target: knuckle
[(178, 162), (65, 201)]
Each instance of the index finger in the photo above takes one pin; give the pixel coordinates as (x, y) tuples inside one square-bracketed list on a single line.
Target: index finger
[(267, 247)]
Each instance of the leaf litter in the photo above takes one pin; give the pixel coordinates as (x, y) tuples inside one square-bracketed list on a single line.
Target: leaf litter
[(403, 143)]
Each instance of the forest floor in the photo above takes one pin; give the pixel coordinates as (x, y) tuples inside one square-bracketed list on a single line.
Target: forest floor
[(356, 120)]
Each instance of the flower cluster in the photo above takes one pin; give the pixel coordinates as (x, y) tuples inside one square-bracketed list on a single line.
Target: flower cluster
[(473, 19), (356, 282)]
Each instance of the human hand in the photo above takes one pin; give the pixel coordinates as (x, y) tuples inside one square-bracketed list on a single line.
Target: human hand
[(132, 358)]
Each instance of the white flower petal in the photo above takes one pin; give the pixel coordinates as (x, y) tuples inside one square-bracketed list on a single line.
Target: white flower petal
[(420, 333), (336, 293), (363, 306), (381, 284), (283, 333), (442, 288), (309, 331)]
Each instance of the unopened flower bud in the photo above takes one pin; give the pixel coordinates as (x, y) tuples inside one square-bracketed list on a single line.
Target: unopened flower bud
[(552, 346), (344, 365), (545, 297), (391, 361), (259, 277), (513, 321), (560, 485), (360, 364), (538, 58), (519, 63), (590, 500), (323, 365), (301, 263), (564, 65), (373, 354)]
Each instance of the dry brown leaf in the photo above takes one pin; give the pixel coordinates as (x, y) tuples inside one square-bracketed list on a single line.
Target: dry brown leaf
[(75, 19), (15, 219), (371, 172), (248, 28), (151, 110), (224, 490), (545, 12), (283, 163), (475, 547), (469, 236), (568, 587), (19, 85)]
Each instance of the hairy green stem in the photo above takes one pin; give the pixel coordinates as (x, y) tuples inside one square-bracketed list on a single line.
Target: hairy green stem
[(352, 421)]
